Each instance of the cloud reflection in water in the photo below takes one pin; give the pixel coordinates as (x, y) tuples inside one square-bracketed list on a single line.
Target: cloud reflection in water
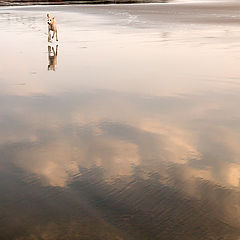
[(142, 163), (142, 170)]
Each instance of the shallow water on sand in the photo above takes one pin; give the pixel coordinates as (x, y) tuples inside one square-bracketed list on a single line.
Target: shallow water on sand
[(124, 129)]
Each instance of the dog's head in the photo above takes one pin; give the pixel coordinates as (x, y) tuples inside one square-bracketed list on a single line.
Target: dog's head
[(50, 20)]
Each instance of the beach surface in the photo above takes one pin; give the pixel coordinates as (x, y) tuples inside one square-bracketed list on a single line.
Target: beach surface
[(127, 128)]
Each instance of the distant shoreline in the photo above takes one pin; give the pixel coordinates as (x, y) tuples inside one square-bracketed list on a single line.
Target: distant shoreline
[(154, 15), (27, 3), (105, 2)]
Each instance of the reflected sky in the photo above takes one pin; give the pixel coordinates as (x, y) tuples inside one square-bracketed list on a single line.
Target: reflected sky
[(117, 132)]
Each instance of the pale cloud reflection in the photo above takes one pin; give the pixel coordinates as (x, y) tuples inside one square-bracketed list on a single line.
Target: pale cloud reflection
[(51, 162), (178, 143), (117, 143), (151, 156), (233, 176), (57, 162)]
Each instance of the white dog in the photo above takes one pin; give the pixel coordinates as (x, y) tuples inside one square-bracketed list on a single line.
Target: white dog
[(52, 26)]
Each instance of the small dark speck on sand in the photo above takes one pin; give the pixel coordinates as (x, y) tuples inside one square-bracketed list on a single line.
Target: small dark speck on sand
[(20, 84)]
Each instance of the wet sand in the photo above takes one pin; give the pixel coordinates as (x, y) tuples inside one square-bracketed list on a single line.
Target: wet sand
[(175, 12), (219, 12), (127, 128)]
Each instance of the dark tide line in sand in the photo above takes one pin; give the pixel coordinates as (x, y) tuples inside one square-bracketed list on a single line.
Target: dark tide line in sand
[(56, 2)]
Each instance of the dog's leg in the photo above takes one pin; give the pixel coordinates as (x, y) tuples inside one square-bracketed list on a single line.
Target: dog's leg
[(49, 51), (49, 35), (56, 50), (49, 57), (54, 54), (53, 34), (56, 36)]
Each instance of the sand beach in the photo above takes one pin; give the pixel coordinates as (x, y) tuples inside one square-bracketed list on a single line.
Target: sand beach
[(127, 128)]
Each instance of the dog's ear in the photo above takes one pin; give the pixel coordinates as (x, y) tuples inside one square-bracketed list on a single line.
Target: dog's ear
[(53, 18)]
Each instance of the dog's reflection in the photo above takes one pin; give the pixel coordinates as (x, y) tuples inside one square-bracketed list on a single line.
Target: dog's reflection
[(52, 58)]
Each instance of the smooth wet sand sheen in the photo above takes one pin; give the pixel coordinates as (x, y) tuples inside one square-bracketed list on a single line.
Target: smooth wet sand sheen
[(127, 129)]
